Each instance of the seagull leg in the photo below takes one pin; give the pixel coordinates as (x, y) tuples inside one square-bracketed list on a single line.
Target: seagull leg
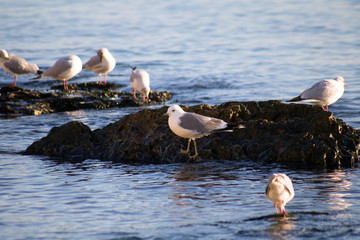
[(100, 83), (325, 108), (105, 79), (283, 210), (65, 85), (134, 93), (15, 80), (196, 153), (144, 100), (276, 208), (188, 147)]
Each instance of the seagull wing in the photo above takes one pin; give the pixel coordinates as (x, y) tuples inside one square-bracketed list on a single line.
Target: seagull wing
[(200, 123), (320, 90), (284, 179)]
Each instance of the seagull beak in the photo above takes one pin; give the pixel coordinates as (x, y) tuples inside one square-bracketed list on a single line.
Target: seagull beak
[(345, 85), (166, 114)]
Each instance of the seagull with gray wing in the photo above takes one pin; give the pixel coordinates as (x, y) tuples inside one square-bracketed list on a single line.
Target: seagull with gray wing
[(102, 63), (192, 125), (16, 65)]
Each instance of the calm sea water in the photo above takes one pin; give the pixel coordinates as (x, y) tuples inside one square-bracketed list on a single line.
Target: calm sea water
[(203, 52)]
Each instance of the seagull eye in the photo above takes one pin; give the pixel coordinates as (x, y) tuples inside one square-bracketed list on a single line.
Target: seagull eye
[(173, 110)]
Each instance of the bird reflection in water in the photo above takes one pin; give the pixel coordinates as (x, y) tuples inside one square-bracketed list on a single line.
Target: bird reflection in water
[(281, 228)]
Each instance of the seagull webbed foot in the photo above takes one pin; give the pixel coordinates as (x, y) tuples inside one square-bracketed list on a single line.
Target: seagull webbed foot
[(184, 151)]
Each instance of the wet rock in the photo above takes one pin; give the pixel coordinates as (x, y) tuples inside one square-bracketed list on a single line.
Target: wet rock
[(296, 135), (21, 101), (73, 140)]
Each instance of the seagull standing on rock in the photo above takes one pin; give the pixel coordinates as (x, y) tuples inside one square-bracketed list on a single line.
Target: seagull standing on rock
[(102, 63), (192, 125), (63, 69), (323, 93), (280, 190), (16, 65), (140, 81)]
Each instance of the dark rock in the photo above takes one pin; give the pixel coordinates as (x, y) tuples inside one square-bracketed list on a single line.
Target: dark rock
[(73, 140), (296, 135), (21, 101)]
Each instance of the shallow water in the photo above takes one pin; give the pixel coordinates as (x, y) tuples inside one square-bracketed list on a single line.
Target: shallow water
[(203, 52)]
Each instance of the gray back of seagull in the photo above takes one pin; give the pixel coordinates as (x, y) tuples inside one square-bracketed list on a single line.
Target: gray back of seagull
[(19, 65), (201, 124)]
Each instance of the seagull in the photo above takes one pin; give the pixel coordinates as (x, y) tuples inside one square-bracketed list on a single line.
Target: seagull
[(102, 63), (140, 81), (63, 69), (192, 125), (16, 65), (322, 93), (280, 190)]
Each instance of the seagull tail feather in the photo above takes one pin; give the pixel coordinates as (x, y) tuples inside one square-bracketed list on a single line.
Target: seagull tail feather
[(133, 68), (38, 77), (295, 99), (229, 127)]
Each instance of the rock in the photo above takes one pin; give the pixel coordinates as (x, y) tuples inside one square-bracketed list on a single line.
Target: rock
[(295, 135), (21, 101), (72, 140)]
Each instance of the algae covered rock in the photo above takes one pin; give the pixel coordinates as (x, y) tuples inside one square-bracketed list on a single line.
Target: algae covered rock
[(73, 139), (296, 135), (21, 101)]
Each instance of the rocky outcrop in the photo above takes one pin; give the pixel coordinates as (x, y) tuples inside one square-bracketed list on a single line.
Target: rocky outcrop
[(296, 135), (21, 101)]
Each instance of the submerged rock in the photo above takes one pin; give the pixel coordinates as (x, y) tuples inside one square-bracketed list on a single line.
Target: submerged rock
[(296, 135), (21, 101)]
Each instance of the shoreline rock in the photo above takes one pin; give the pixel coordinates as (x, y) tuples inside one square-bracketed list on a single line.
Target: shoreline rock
[(21, 101), (295, 135)]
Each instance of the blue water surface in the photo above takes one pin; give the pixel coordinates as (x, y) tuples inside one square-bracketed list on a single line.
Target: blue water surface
[(204, 52)]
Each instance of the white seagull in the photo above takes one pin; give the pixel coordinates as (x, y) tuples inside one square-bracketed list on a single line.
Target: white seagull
[(16, 65), (140, 81), (102, 63), (280, 190), (323, 93), (191, 125), (63, 69)]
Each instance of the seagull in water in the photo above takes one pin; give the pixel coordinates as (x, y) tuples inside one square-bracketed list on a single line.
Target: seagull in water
[(63, 69), (102, 63), (191, 125), (140, 81), (323, 93), (16, 65), (280, 190)]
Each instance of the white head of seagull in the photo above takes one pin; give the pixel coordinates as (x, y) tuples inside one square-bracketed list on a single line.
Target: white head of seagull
[(192, 125), (280, 190)]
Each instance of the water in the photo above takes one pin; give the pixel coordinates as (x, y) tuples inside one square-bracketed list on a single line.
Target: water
[(203, 52)]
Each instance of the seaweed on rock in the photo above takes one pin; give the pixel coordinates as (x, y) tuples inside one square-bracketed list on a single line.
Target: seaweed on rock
[(296, 135)]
